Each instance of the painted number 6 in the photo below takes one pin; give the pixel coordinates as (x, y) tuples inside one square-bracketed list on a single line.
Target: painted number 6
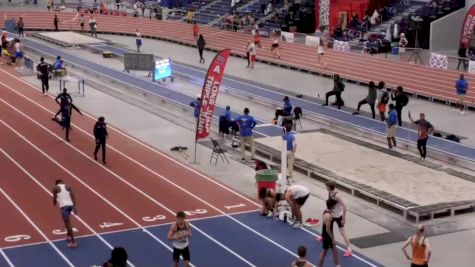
[(16, 238)]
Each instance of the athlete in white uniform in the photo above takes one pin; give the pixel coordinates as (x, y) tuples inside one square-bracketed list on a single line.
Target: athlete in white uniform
[(63, 195), (295, 195), (339, 214), (179, 234), (274, 49), (321, 52)]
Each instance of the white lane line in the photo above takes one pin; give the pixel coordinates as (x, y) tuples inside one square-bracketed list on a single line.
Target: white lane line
[(36, 228), (10, 263), (49, 193), (115, 175), (159, 153)]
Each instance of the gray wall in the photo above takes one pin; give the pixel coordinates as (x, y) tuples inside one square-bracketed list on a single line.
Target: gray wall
[(445, 32)]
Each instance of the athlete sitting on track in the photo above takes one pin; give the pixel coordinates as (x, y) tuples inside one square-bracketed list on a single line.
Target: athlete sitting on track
[(179, 234), (63, 195)]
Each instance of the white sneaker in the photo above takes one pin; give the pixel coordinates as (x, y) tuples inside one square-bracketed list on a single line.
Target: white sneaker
[(297, 225), (462, 112)]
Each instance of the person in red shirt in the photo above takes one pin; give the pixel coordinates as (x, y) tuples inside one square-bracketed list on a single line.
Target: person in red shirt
[(425, 129), (196, 30), (257, 39)]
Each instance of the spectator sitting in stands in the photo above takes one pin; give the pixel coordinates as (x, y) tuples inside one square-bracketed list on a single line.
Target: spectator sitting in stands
[(285, 111), (269, 9), (59, 67), (366, 24), (375, 18), (383, 11), (189, 16), (354, 21)]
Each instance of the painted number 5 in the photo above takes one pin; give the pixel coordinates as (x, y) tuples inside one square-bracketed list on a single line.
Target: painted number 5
[(195, 212), (108, 225), (154, 218), (63, 232), (16, 238)]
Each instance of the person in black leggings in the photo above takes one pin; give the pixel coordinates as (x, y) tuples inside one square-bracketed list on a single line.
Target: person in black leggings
[(328, 238), (401, 101), (338, 87), (425, 129), (100, 133), (370, 99), (201, 47)]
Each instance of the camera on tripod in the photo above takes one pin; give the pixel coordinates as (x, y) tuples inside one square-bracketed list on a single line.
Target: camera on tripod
[(416, 23)]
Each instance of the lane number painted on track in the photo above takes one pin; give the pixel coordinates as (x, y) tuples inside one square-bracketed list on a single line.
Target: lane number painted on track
[(16, 238), (109, 225), (240, 205), (63, 231), (195, 212), (154, 218)]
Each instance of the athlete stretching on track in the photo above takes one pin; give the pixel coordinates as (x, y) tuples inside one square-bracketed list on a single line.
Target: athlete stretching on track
[(63, 195), (296, 195)]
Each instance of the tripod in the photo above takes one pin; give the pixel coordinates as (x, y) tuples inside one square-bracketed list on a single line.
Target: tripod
[(416, 53)]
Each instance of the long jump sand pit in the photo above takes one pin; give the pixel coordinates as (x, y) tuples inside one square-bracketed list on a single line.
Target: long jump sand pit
[(70, 38), (402, 178)]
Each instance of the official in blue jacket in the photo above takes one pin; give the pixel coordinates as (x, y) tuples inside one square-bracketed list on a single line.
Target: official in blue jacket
[(285, 111), (246, 123), (392, 122), (462, 87), (197, 105)]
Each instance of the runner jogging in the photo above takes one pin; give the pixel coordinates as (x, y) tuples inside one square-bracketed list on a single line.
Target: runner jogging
[(64, 196), (328, 236), (339, 214), (179, 234)]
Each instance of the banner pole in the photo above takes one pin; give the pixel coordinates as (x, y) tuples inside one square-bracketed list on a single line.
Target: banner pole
[(196, 142)]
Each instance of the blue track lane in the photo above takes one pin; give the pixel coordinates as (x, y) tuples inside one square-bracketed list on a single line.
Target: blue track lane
[(142, 249), (145, 251), (90, 251), (280, 232), (255, 249), (36, 255), (204, 252)]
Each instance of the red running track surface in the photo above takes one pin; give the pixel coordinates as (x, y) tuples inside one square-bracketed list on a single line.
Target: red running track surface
[(140, 186), (417, 79)]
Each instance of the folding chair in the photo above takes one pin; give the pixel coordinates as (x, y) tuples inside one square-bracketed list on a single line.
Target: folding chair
[(217, 152)]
